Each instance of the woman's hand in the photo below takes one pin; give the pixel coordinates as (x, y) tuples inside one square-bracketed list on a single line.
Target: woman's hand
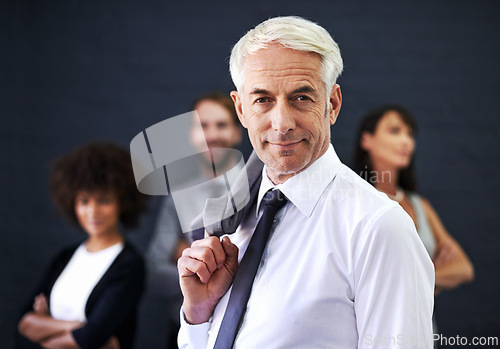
[(64, 341), (43, 329), (112, 343), (452, 266), (40, 305), (447, 253)]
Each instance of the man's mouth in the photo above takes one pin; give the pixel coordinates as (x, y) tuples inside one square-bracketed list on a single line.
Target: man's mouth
[(285, 145)]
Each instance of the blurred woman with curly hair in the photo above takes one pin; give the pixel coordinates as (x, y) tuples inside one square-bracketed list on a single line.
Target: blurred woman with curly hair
[(89, 295)]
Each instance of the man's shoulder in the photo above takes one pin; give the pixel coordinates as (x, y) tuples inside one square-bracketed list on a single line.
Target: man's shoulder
[(366, 213), (350, 204), (348, 188)]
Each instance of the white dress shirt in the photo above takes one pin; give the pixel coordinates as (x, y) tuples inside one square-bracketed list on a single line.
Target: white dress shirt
[(343, 268)]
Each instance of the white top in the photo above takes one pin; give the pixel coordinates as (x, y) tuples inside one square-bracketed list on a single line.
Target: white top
[(423, 227), (72, 289), (343, 268)]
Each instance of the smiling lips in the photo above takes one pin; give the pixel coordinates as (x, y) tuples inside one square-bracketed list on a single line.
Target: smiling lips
[(285, 145)]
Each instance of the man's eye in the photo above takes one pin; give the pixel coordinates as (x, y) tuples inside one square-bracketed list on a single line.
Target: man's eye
[(302, 98), (262, 100)]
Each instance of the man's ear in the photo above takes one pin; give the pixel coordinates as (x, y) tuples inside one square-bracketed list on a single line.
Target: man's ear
[(335, 103), (366, 141), (238, 105)]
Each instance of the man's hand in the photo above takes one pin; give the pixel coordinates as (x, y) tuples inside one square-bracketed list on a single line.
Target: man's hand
[(206, 271)]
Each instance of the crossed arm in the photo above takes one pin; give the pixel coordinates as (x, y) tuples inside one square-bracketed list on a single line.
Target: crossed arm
[(452, 266), (43, 329)]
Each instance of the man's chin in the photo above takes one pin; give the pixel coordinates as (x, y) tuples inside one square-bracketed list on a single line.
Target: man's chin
[(287, 165)]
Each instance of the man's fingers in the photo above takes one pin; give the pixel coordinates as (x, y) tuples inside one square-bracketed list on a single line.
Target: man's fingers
[(189, 266), (231, 251), (215, 245), (203, 254)]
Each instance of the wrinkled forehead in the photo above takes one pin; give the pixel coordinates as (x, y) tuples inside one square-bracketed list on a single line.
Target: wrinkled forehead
[(277, 62)]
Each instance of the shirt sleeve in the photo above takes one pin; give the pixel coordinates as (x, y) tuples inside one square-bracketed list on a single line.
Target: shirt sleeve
[(394, 284), (193, 336)]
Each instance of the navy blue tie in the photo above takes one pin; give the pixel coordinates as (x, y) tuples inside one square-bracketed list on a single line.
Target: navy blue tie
[(243, 280)]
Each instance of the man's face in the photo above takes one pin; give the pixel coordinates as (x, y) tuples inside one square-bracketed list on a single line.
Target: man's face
[(219, 129), (283, 104)]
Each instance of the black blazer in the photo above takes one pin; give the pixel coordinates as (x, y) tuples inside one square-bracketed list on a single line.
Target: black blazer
[(112, 305)]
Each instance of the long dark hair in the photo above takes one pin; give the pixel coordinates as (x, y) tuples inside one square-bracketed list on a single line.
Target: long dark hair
[(362, 163)]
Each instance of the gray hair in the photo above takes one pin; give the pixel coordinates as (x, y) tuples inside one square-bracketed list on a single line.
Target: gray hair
[(292, 32)]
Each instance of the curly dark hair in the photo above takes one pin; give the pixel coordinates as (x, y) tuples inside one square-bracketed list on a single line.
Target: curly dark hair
[(362, 164), (99, 166)]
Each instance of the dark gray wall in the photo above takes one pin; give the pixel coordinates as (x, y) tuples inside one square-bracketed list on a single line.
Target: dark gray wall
[(72, 72)]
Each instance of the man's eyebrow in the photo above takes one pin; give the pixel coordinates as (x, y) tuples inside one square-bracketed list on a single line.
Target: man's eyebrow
[(259, 91), (305, 89), (302, 89)]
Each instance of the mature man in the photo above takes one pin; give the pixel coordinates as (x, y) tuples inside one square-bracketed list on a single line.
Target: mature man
[(343, 266), (220, 130)]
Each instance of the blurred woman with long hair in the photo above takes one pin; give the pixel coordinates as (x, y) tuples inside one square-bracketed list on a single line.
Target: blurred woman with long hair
[(384, 150)]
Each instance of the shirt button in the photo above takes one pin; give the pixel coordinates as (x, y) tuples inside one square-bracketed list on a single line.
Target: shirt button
[(275, 221)]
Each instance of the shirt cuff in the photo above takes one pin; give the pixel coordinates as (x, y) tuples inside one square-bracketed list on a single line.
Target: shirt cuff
[(193, 336)]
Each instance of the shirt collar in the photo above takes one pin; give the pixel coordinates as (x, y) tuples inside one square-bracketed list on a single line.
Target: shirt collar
[(305, 188)]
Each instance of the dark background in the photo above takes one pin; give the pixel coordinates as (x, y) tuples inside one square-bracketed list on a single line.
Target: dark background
[(76, 71)]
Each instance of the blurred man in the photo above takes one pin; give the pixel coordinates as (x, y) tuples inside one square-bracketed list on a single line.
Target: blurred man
[(220, 129), (343, 266)]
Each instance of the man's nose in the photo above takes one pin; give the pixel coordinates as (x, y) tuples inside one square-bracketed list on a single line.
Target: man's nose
[(211, 134), (282, 118)]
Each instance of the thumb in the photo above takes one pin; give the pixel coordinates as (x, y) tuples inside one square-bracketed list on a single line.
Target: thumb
[(231, 251)]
